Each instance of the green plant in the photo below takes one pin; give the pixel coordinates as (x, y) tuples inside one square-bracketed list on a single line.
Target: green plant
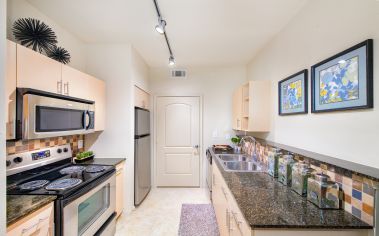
[(83, 155), (236, 140)]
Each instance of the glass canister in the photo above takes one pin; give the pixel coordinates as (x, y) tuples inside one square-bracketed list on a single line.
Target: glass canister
[(285, 169), (300, 174), (273, 162), (322, 192)]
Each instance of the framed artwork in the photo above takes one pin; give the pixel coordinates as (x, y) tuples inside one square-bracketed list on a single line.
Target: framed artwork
[(293, 94), (344, 81)]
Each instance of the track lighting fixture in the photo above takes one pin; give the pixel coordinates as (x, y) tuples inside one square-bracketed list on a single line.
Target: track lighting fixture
[(160, 27), (171, 61)]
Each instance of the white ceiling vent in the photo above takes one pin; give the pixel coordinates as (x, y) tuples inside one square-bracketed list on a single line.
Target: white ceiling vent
[(178, 74)]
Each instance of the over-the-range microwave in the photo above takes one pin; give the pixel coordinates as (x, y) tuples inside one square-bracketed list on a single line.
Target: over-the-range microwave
[(41, 114)]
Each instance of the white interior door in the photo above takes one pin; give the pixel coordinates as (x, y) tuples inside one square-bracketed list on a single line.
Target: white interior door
[(178, 142)]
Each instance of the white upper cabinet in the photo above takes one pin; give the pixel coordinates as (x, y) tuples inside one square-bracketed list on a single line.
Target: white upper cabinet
[(37, 71), (97, 93), (141, 98), (252, 106), (10, 90), (75, 83)]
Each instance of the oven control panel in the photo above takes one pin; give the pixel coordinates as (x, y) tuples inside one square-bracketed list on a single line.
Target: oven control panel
[(40, 155), (28, 160)]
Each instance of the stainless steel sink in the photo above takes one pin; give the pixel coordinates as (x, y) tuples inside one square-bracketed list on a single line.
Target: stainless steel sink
[(238, 163), (232, 157), (241, 166)]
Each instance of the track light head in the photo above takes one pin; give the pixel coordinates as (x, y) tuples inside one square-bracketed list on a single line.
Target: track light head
[(160, 27), (171, 61)]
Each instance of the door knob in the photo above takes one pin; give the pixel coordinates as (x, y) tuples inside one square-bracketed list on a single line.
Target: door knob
[(196, 146)]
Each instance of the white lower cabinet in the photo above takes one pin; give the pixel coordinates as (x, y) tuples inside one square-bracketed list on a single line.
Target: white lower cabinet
[(231, 222), (38, 223), (229, 218), (119, 189)]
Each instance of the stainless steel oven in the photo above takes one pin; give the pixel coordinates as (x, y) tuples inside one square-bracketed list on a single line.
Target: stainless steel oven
[(88, 213), (42, 114)]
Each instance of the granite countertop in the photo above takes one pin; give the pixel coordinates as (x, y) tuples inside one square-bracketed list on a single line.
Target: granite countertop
[(19, 206), (266, 203), (105, 161)]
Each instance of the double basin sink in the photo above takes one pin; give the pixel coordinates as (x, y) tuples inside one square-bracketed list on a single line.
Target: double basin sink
[(238, 163)]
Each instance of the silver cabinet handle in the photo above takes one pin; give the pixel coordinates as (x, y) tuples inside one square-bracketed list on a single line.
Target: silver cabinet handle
[(238, 123), (227, 219), (59, 86), (66, 89), (236, 219), (35, 225), (224, 192)]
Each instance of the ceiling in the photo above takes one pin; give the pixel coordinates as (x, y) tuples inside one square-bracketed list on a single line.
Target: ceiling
[(201, 32)]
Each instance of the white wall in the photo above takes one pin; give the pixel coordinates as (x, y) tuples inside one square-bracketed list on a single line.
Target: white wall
[(121, 67), (21, 9), (322, 29), (216, 85), (2, 116)]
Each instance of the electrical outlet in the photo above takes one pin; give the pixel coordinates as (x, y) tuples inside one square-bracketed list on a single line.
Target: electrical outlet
[(80, 144)]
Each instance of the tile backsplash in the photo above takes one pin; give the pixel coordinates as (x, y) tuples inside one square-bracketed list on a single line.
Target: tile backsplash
[(357, 191), (30, 145)]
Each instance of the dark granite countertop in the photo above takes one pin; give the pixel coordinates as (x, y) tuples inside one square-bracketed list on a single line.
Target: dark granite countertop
[(105, 161), (266, 203), (19, 206)]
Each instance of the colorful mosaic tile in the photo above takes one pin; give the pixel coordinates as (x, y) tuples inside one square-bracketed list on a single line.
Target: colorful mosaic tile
[(30, 145), (356, 189)]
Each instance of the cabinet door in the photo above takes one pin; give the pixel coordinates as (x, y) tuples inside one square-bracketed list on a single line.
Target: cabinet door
[(219, 203), (237, 109), (10, 90), (38, 223), (260, 106), (37, 71), (141, 98), (75, 83), (119, 188), (97, 93)]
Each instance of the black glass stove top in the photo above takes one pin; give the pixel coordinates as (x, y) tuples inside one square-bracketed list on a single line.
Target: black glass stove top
[(54, 174)]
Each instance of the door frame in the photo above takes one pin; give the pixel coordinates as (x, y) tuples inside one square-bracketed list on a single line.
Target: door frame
[(154, 135)]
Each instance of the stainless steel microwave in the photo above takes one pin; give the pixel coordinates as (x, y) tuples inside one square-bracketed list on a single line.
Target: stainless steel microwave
[(42, 114)]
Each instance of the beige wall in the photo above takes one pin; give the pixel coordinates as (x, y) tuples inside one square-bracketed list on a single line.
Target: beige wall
[(322, 29), (21, 8), (121, 67), (216, 85), (2, 116)]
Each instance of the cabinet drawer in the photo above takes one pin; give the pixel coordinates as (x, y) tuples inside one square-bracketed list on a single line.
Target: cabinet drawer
[(38, 223)]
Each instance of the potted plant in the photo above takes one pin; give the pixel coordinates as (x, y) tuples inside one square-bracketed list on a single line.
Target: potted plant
[(84, 156), (236, 141)]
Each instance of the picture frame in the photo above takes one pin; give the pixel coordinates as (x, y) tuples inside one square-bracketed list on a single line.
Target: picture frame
[(344, 81), (293, 94)]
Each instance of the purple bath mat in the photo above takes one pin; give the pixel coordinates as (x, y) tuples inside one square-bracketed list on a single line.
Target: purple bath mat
[(198, 220)]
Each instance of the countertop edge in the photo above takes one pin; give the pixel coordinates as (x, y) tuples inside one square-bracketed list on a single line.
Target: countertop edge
[(49, 200)]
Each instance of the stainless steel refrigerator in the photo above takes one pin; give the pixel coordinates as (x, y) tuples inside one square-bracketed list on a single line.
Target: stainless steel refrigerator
[(142, 157)]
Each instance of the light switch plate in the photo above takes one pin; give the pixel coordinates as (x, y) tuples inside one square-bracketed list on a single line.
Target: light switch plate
[(80, 144)]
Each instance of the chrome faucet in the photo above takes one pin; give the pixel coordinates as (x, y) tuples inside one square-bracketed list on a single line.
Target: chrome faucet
[(243, 141)]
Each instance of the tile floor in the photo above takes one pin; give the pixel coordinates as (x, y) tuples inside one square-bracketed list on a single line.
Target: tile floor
[(159, 214)]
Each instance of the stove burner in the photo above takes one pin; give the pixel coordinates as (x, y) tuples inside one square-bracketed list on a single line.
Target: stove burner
[(63, 184), (95, 169), (33, 185), (71, 170)]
